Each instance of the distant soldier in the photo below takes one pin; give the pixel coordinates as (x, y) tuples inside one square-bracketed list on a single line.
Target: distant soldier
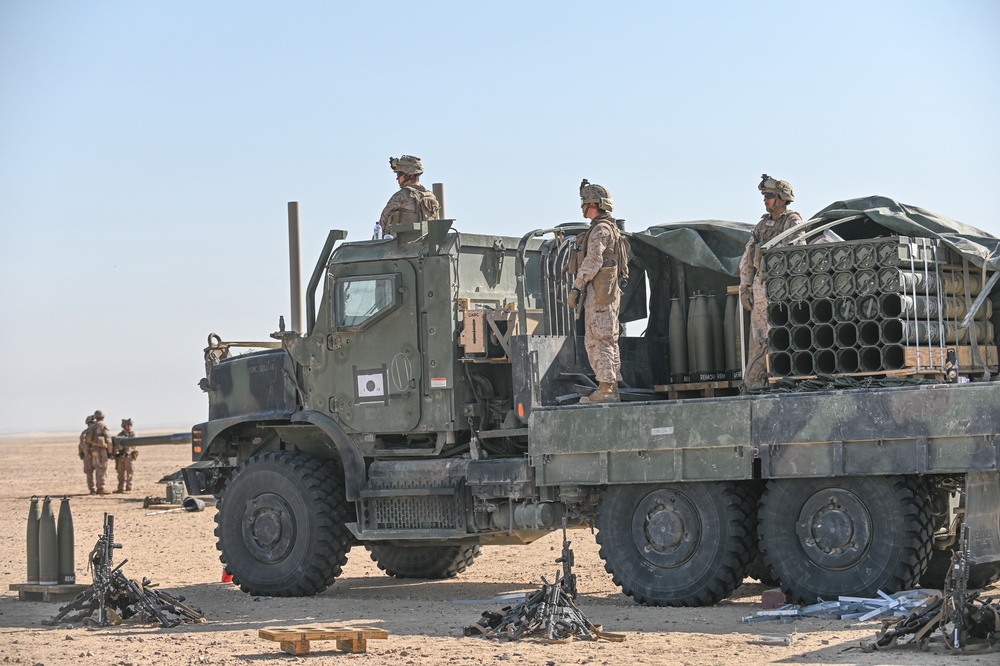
[(778, 219), (88, 463), (597, 274), (413, 202), (124, 455), (100, 447)]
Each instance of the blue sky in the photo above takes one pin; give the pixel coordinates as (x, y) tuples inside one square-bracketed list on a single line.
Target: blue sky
[(148, 149)]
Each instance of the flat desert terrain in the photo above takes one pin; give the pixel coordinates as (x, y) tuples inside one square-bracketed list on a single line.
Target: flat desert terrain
[(424, 618)]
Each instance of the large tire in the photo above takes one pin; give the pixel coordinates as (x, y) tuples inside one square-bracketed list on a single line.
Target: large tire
[(980, 575), (850, 536), (281, 525), (687, 544), (430, 562)]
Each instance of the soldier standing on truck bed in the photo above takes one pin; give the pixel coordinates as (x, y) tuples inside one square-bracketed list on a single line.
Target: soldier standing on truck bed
[(123, 459), (99, 446), (778, 219), (599, 265), (88, 463), (413, 202)]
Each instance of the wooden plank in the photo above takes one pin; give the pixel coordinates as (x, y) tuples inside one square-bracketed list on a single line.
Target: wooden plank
[(296, 640), (933, 355)]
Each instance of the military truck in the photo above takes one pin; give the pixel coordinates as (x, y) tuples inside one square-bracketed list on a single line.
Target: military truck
[(427, 408)]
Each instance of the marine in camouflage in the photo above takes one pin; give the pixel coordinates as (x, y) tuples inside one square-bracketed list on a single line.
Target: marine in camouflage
[(752, 293), (124, 458), (411, 204), (601, 321), (99, 447), (88, 463)]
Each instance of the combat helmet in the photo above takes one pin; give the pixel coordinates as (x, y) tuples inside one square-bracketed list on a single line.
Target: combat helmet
[(126, 422), (407, 165), (596, 194), (780, 188), (98, 414), (90, 419)]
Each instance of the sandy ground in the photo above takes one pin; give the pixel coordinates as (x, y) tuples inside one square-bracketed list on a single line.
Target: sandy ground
[(424, 618)]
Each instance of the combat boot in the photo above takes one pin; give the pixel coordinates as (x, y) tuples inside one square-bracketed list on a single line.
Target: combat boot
[(606, 392)]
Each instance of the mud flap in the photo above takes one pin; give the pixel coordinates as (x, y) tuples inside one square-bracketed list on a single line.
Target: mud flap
[(982, 516)]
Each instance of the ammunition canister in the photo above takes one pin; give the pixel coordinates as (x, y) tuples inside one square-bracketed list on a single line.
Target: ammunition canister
[(890, 331), (844, 309), (798, 262), (777, 314), (866, 282), (847, 360), (731, 330), (781, 364), (799, 313), (868, 307), (34, 516), (842, 257), (690, 334), (868, 333), (779, 338), (825, 361), (893, 357), (821, 285), (777, 289), (718, 336), (888, 254), (870, 359), (846, 334), (798, 287), (820, 260), (802, 363), (821, 311), (48, 546), (843, 284), (703, 343), (677, 333), (775, 264), (66, 572), (823, 336), (865, 255), (802, 339)]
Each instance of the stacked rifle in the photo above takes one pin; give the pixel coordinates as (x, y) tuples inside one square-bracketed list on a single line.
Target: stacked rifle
[(876, 306), (549, 614), (112, 597)]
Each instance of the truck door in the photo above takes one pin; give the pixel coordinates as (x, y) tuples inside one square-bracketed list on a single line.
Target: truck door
[(376, 366)]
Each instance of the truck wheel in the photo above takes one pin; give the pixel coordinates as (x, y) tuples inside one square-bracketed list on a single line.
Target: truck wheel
[(683, 545), (980, 575), (281, 525), (434, 562), (850, 536)]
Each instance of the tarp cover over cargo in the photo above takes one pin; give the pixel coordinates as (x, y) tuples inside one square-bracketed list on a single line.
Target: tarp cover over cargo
[(875, 216)]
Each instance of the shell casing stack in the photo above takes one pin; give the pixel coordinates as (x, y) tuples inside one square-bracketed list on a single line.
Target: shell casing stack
[(873, 306), (705, 340)]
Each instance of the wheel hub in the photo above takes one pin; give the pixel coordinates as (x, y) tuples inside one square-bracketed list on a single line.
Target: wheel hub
[(834, 529), (666, 528), (268, 528)]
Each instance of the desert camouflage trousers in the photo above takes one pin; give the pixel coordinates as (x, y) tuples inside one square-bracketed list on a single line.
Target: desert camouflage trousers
[(88, 470), (755, 375), (601, 340), (99, 460), (123, 466)]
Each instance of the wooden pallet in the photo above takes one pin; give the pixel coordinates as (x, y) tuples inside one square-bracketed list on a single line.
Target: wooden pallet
[(35, 592), (698, 389), (295, 640)]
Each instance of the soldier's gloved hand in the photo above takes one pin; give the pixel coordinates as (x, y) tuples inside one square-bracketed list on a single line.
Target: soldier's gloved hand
[(746, 297), (574, 296)]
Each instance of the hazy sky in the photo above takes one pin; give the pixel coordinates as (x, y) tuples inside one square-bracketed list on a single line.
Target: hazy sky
[(148, 149)]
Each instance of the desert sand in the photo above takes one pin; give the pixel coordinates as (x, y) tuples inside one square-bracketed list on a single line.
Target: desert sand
[(424, 619)]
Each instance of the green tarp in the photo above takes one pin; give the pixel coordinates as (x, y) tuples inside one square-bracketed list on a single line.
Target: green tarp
[(718, 245)]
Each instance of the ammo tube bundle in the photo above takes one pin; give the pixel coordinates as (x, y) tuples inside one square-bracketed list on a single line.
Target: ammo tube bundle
[(891, 306)]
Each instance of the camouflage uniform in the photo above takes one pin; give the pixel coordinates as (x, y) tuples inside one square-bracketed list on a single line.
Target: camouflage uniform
[(123, 461), (752, 273), (411, 204), (88, 462), (601, 339), (99, 446)]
